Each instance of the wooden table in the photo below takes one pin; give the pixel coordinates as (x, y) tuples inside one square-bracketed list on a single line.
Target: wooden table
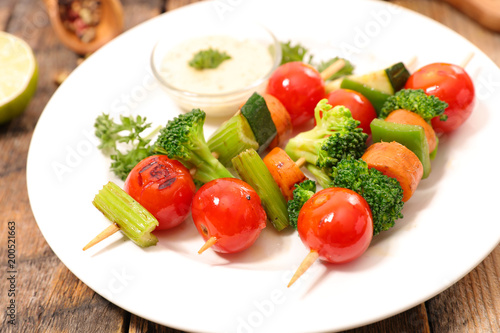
[(51, 299)]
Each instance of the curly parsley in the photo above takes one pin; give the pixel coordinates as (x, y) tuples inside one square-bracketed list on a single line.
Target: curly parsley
[(208, 58)]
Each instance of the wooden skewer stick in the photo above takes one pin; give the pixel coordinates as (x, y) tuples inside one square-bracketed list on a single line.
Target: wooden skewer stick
[(410, 63), (333, 85), (332, 69), (208, 244), (466, 61), (113, 228), (304, 266), (300, 162)]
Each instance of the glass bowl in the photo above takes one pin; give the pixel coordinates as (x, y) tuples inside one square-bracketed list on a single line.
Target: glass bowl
[(220, 91)]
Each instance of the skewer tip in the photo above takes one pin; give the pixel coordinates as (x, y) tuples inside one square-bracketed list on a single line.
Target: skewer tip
[(208, 244), (103, 235), (466, 61), (311, 257)]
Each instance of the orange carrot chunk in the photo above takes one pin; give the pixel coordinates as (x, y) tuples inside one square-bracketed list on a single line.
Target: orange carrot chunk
[(395, 160), (411, 118), (281, 119), (284, 171)]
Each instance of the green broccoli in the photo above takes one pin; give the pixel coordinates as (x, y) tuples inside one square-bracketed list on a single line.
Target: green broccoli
[(426, 106), (302, 192), (383, 194), (336, 136), (183, 139)]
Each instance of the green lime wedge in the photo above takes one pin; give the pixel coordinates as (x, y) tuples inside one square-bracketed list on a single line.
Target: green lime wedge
[(18, 76)]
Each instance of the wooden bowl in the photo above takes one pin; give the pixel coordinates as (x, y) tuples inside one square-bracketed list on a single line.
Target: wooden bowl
[(110, 26)]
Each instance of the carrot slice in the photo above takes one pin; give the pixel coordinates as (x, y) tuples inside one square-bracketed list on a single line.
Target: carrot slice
[(396, 161), (411, 118), (284, 171), (281, 119)]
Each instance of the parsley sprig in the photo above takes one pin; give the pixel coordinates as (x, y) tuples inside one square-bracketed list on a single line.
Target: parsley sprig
[(209, 58), (128, 132), (298, 52)]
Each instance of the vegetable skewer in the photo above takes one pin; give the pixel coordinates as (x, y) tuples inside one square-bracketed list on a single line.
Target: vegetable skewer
[(126, 214), (346, 234), (161, 187), (228, 214)]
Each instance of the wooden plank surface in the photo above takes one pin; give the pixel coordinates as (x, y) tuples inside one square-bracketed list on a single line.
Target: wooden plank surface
[(51, 299)]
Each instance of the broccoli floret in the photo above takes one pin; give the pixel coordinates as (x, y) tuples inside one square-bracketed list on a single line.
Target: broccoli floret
[(340, 145), (426, 106), (336, 136), (335, 133), (302, 192), (183, 139), (383, 194)]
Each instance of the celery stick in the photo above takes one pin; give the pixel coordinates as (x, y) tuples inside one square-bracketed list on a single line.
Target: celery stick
[(231, 138), (253, 171), (134, 220)]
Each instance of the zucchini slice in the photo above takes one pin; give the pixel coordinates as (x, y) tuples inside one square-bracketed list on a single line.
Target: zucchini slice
[(259, 118), (388, 81)]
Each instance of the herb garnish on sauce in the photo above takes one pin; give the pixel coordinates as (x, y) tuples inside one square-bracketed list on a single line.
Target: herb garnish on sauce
[(208, 58)]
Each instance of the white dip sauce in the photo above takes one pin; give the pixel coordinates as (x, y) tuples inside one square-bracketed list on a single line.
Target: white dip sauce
[(250, 60)]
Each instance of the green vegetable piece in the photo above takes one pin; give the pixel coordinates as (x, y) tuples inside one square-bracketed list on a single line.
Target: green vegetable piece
[(259, 118), (253, 171), (411, 136), (231, 138), (127, 131), (336, 136), (290, 53), (209, 58), (426, 106), (433, 153), (397, 75), (183, 139), (302, 192), (383, 194), (387, 80), (321, 176), (376, 97), (120, 208), (344, 71)]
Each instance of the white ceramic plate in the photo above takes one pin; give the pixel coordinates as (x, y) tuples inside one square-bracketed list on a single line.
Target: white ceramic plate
[(450, 225)]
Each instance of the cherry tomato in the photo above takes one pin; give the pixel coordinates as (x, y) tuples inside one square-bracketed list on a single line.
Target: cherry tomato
[(451, 84), (164, 187), (360, 106), (299, 87), (230, 210), (337, 223)]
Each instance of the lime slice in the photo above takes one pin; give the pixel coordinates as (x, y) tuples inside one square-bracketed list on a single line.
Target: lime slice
[(18, 76)]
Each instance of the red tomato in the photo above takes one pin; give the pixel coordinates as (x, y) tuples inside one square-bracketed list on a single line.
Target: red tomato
[(360, 106), (164, 187), (230, 210), (337, 223), (451, 84), (299, 87)]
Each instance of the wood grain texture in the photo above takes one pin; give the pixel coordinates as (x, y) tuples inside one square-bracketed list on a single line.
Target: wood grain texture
[(51, 299), (487, 12)]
